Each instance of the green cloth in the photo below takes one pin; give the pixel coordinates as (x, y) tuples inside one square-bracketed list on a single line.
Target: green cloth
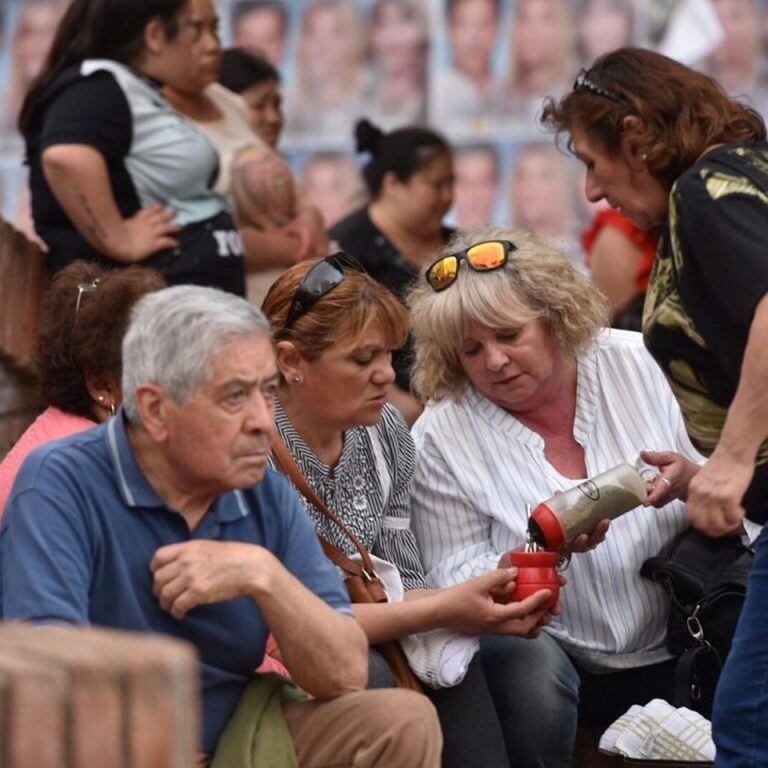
[(257, 734)]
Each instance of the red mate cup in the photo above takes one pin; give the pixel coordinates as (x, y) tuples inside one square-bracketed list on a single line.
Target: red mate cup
[(536, 571)]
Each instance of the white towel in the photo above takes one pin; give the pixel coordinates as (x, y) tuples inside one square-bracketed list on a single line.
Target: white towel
[(611, 736), (659, 731), (439, 658), (682, 735)]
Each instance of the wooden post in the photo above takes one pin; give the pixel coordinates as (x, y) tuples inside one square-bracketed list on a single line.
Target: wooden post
[(95, 698), (22, 281)]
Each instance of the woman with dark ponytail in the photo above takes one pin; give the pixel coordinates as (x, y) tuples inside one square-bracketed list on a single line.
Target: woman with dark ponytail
[(116, 175), (410, 180)]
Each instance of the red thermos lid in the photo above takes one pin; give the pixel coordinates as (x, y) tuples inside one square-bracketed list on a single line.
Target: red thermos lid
[(545, 527)]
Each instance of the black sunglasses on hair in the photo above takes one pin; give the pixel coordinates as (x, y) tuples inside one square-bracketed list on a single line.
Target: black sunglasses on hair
[(320, 280)]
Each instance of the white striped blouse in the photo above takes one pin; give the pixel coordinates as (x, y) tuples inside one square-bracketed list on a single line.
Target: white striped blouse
[(477, 467)]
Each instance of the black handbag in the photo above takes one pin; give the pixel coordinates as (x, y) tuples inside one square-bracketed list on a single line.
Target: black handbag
[(706, 580)]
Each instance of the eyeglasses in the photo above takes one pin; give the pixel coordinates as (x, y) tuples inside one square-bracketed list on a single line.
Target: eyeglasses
[(583, 83), (482, 257), (321, 279), (84, 288)]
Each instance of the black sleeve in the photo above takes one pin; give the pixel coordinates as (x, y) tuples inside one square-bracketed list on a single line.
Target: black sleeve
[(92, 111), (727, 245)]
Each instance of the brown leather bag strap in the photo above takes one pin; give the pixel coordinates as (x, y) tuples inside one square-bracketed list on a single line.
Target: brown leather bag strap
[(285, 461), (364, 577)]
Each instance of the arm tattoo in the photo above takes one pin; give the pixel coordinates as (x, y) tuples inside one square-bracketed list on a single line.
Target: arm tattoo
[(263, 189), (94, 225)]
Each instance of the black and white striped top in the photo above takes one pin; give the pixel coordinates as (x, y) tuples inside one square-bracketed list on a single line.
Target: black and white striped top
[(369, 488)]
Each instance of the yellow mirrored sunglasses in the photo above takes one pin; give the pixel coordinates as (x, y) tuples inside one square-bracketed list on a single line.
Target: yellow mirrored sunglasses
[(482, 257)]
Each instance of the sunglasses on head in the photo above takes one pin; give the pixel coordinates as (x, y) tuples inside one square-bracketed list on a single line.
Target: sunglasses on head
[(482, 257), (320, 280)]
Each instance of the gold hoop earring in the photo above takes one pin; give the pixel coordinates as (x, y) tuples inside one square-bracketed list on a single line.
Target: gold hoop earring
[(112, 408)]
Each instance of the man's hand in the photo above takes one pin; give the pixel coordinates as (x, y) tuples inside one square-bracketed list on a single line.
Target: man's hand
[(472, 606), (715, 494), (202, 572), (675, 475)]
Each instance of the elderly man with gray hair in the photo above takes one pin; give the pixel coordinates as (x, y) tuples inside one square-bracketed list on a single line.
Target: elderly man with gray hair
[(167, 519)]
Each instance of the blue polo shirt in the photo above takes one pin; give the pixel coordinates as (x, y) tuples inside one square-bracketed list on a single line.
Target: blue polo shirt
[(82, 525)]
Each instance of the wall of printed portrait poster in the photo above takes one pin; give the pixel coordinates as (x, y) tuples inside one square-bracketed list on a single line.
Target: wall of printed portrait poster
[(476, 70)]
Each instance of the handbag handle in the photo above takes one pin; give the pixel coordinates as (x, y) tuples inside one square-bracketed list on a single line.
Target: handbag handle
[(285, 461)]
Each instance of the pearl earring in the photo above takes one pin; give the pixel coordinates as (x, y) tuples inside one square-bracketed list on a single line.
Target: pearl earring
[(297, 379)]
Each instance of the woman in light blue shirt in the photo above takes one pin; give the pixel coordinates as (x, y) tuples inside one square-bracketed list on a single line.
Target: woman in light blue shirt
[(116, 175)]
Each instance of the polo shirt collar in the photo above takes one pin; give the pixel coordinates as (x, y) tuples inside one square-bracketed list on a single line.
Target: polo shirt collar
[(134, 486), (136, 490)]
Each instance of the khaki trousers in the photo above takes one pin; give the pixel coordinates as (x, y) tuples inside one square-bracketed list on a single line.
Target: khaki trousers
[(388, 728)]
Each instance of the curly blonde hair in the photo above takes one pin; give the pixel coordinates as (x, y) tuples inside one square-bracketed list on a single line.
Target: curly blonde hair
[(538, 282)]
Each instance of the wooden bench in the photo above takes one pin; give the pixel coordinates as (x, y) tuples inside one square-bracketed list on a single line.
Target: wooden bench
[(22, 281), (93, 698), (586, 753)]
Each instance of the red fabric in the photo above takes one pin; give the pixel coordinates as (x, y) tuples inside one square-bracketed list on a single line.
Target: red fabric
[(646, 240), (270, 664), (51, 424)]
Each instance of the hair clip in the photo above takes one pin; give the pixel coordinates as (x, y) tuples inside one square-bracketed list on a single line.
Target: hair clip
[(84, 288), (583, 83)]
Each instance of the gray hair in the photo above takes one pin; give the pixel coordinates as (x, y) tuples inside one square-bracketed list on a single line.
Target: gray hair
[(174, 335), (538, 282)]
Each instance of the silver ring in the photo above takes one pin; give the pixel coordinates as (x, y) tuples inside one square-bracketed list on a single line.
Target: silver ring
[(666, 480)]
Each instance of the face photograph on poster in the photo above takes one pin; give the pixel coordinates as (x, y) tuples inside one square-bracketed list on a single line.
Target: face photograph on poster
[(332, 182), (477, 174), (466, 77), (398, 46), (542, 194), (260, 26)]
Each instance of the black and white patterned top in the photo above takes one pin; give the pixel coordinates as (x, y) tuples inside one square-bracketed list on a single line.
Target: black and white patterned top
[(369, 489)]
